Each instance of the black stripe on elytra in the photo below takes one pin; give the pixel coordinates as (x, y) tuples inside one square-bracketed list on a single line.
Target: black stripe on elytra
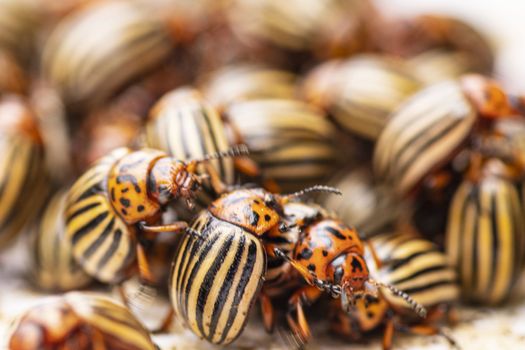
[(395, 264), (81, 211), (190, 250), (403, 169), (239, 293), (208, 280), (474, 244), (226, 287), (100, 239), (428, 286), (131, 179), (335, 232), (420, 272), (496, 232), (91, 225), (212, 137), (111, 250), (203, 255)]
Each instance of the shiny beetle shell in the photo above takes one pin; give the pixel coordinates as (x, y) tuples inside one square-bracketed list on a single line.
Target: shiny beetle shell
[(376, 209), (293, 143), (360, 93), (422, 135), (55, 268), (327, 28), (247, 82), (186, 127), (79, 321), (216, 279), (22, 167), (94, 53), (415, 266), (485, 238), (102, 241)]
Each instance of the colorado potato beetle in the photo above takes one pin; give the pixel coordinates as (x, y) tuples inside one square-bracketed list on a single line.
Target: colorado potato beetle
[(112, 205), (413, 265), (89, 58), (293, 143), (243, 82), (377, 208), (330, 257), (79, 321), (22, 167), (216, 278), (360, 93), (425, 133), (54, 267), (485, 237)]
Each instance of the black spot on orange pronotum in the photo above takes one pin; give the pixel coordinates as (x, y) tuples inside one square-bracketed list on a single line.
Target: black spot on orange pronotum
[(325, 253), (254, 218), (140, 208), (125, 202), (335, 233), (267, 217), (356, 265), (370, 314), (311, 267), (126, 189), (306, 254)]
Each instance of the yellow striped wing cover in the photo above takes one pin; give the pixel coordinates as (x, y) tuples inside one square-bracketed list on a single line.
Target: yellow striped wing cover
[(215, 280)]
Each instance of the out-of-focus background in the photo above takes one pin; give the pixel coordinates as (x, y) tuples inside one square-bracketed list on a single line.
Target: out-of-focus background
[(501, 22)]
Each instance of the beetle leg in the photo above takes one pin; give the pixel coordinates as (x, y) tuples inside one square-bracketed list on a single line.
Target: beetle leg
[(428, 330), (388, 333), (267, 312), (216, 183), (166, 323), (144, 270), (299, 324), (173, 227), (123, 295)]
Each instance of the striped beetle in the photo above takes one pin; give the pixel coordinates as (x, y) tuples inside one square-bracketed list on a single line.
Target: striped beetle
[(247, 82), (361, 92), (54, 267), (485, 237), (425, 133), (216, 279), (293, 143), (79, 321), (22, 167), (329, 256), (112, 206), (413, 265), (89, 58)]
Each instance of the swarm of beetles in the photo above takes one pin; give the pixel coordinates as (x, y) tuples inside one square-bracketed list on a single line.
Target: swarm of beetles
[(234, 153)]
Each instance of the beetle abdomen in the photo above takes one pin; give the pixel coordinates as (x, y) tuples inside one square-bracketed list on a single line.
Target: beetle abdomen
[(485, 238), (55, 268), (102, 243), (415, 266), (215, 280)]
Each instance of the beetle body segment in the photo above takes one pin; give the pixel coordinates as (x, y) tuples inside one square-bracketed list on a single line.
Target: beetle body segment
[(215, 280), (485, 238), (422, 135), (102, 241), (80, 321), (55, 268), (22, 167)]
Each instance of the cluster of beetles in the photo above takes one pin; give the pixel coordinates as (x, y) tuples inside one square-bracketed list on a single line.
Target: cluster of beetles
[(254, 159)]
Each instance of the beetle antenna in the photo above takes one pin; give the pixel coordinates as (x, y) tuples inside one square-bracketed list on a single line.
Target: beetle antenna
[(414, 305), (234, 151), (316, 188)]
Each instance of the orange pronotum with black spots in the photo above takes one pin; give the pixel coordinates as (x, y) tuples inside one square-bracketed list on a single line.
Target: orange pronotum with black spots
[(115, 200)]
